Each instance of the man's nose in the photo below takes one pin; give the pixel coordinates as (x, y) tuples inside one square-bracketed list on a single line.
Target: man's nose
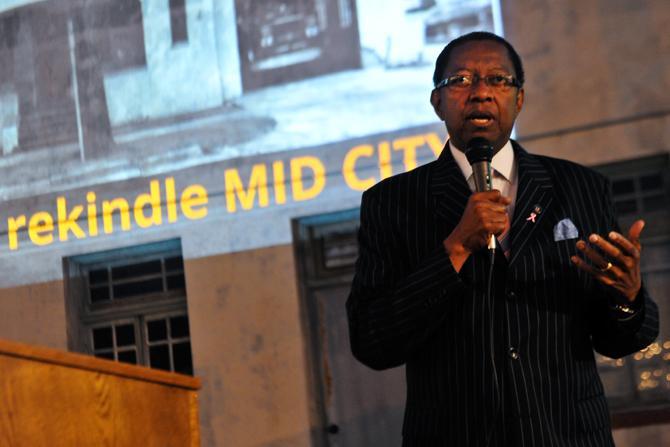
[(480, 91)]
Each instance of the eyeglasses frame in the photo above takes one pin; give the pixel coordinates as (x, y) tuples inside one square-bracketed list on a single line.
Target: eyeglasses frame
[(511, 81)]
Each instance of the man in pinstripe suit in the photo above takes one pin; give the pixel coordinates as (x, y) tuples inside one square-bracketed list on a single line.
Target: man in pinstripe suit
[(514, 367)]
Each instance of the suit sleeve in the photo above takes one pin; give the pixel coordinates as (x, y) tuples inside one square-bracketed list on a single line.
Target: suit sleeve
[(613, 333), (394, 308)]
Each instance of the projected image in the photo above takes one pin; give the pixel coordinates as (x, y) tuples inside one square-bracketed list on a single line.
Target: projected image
[(112, 89), (287, 40)]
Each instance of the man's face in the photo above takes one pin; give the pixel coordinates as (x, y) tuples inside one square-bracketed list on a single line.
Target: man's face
[(479, 110)]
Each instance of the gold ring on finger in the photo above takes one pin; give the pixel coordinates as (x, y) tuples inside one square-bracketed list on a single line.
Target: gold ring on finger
[(606, 268)]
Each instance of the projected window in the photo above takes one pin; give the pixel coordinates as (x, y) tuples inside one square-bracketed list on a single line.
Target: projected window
[(159, 342), (118, 282), (129, 305), (178, 21), (169, 343), (116, 42), (116, 341)]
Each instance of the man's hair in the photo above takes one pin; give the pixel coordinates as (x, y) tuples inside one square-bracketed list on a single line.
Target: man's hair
[(443, 58)]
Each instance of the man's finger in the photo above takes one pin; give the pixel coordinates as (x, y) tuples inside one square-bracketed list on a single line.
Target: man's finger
[(634, 232), (492, 195), (593, 256), (596, 273), (504, 200), (609, 249), (624, 244)]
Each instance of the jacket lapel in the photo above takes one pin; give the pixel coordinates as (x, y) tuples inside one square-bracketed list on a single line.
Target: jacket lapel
[(450, 189), (451, 192), (533, 200)]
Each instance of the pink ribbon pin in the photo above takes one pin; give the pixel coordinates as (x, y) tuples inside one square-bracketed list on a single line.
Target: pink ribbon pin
[(532, 217)]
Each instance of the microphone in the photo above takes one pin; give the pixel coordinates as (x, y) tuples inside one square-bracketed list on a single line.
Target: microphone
[(479, 153)]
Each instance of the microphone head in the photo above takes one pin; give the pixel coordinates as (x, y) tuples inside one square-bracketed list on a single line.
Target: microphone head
[(479, 149)]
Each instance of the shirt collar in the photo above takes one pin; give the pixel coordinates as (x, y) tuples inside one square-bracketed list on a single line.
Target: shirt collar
[(502, 163)]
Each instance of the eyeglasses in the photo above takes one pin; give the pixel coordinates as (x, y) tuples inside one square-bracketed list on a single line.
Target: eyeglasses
[(463, 82)]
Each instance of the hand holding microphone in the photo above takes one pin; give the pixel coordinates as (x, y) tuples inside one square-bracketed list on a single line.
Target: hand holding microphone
[(485, 214), (479, 153)]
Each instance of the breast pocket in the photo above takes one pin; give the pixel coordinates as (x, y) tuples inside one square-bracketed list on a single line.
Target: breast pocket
[(555, 258), (563, 250)]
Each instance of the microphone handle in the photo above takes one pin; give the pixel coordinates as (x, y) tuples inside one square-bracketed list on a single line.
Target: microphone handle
[(481, 171)]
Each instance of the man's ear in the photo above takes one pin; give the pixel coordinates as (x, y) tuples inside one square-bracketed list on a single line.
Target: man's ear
[(436, 101)]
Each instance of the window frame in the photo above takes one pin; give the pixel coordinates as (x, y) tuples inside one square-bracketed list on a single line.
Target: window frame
[(83, 315), (178, 10)]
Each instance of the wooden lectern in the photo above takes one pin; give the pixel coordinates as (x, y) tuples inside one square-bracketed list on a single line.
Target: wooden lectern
[(54, 398)]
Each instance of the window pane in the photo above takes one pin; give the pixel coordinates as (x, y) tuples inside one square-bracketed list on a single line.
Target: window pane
[(179, 327), (339, 251), (128, 357), (157, 330), (651, 182), (181, 353), (99, 294), (105, 355), (178, 21), (623, 186), (175, 263), (655, 202), (656, 258), (97, 276), (138, 288), (135, 270), (159, 357), (125, 335), (102, 338), (626, 206), (176, 282)]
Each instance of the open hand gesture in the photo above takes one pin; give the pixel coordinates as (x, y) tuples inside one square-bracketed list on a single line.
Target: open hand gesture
[(614, 262)]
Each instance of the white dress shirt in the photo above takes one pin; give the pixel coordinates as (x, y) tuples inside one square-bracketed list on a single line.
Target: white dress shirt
[(504, 169), (505, 179)]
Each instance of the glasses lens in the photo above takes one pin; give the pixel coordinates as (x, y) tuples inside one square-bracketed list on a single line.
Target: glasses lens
[(497, 81), (459, 81)]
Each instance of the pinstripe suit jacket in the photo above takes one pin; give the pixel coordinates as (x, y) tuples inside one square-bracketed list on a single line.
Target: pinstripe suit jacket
[(520, 368)]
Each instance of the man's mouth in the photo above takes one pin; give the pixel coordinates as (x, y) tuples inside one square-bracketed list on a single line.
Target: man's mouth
[(480, 119)]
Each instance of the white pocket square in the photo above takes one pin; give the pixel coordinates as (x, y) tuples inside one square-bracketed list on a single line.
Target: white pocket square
[(565, 229)]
